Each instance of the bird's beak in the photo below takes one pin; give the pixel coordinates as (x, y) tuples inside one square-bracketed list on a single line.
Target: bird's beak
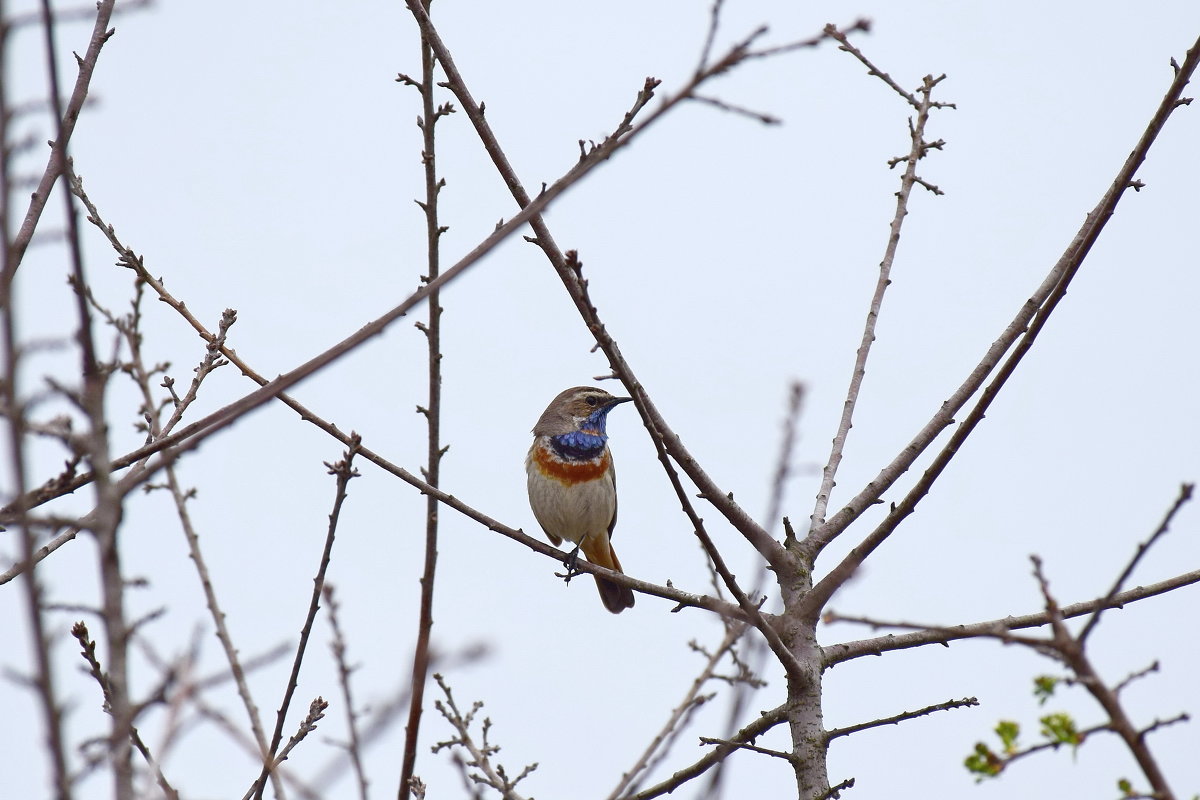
[(616, 401)]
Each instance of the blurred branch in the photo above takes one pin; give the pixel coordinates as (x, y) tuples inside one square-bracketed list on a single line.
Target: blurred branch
[(80, 632), (382, 715), (679, 717), (354, 746), (108, 510), (783, 465), (58, 150), (765, 721), (130, 329)]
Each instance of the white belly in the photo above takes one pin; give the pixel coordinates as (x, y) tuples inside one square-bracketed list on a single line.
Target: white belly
[(572, 512)]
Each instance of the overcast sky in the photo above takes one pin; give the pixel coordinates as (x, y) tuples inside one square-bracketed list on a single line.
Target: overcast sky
[(262, 157)]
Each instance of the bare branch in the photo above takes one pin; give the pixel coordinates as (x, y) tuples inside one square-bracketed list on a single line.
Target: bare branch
[(1072, 652), (1019, 336), (966, 702), (660, 433), (354, 746), (316, 712), (917, 150), (657, 749), (80, 632), (433, 416), (489, 774), (872, 70), (837, 653), (766, 721), (343, 472), (58, 150), (1185, 494)]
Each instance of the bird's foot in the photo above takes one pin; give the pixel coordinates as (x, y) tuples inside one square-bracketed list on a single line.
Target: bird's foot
[(572, 564)]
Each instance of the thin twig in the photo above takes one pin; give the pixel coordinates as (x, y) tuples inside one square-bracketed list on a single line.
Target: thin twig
[(660, 432), (710, 38), (108, 502), (354, 748), (1072, 652), (316, 712), (69, 482), (142, 377), (432, 412), (1185, 494), (917, 150), (58, 150), (790, 758), (658, 747), (343, 472), (966, 702), (872, 70), (1019, 336), (81, 634), (493, 775), (766, 721), (783, 464)]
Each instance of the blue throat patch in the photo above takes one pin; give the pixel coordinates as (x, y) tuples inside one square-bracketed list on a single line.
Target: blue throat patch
[(586, 443), (578, 445), (594, 424)]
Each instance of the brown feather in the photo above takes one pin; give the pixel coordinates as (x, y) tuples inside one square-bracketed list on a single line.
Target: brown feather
[(616, 598)]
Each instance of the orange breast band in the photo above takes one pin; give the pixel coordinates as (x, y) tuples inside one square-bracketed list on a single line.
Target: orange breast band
[(570, 472)]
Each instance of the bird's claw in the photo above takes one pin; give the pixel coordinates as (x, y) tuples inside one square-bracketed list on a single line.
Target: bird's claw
[(572, 564)]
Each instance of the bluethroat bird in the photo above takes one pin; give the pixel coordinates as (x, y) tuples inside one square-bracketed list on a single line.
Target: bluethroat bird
[(572, 484)]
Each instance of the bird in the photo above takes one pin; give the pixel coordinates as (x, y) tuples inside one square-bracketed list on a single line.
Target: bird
[(572, 484)]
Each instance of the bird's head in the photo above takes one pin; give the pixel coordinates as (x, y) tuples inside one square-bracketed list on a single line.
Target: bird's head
[(582, 408)]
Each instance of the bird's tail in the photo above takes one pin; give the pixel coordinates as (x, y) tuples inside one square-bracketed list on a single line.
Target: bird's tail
[(599, 551)]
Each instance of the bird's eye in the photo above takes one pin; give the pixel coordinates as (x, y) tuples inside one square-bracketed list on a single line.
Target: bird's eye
[(592, 400)]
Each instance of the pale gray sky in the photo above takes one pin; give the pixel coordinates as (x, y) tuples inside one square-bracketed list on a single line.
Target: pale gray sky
[(261, 157)]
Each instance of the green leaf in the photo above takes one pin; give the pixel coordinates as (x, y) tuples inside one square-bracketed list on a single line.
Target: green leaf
[(1043, 688), (1008, 731), (1060, 728), (983, 763)]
